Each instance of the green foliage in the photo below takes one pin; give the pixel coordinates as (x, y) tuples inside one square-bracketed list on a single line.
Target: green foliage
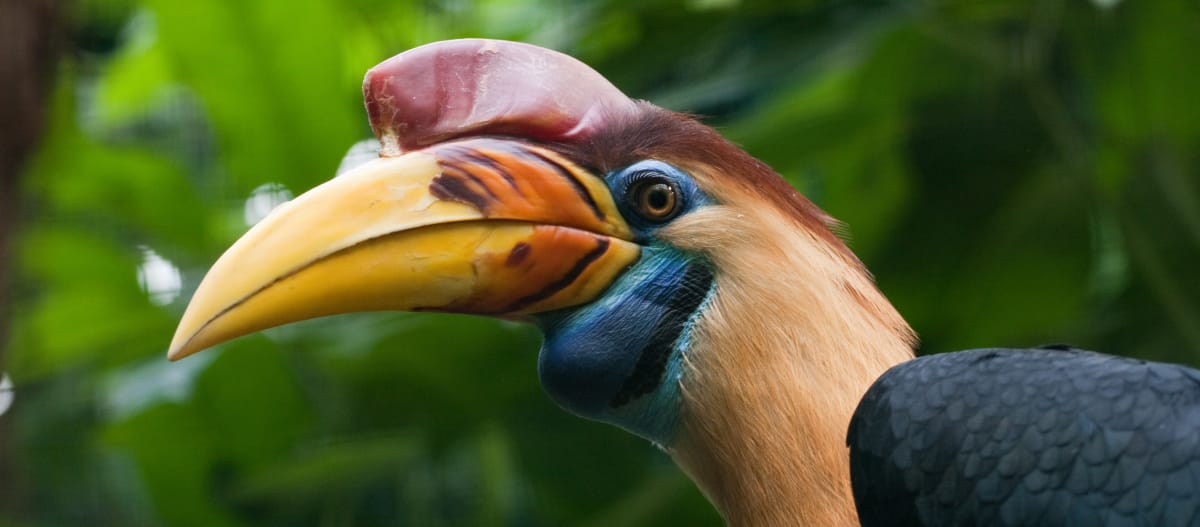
[(1014, 173)]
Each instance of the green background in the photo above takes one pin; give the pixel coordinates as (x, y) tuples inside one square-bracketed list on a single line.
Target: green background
[(1013, 172)]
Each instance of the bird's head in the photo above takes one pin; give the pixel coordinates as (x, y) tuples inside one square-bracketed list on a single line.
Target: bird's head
[(517, 182)]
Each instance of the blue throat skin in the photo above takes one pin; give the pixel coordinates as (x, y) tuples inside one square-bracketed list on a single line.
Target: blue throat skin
[(619, 358)]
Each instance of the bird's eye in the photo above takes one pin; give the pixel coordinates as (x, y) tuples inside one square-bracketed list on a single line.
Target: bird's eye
[(653, 197)]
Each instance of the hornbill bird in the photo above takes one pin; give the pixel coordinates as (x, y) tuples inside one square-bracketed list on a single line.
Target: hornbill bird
[(687, 294)]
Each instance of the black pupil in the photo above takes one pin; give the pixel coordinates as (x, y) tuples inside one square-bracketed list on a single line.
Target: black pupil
[(658, 198)]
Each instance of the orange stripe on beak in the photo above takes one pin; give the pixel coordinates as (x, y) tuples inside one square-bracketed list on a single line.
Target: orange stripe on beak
[(510, 180)]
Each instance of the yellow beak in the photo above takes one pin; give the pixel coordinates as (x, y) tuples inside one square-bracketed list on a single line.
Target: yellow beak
[(481, 226)]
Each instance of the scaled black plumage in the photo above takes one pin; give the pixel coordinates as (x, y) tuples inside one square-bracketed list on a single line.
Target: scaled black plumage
[(1045, 436)]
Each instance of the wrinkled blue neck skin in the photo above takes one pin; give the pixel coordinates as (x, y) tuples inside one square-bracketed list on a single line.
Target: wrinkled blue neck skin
[(618, 359)]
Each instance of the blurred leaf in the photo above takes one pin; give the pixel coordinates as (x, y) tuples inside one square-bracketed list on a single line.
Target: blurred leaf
[(70, 321), (136, 74), (175, 454), (255, 422), (1145, 81), (644, 503), (310, 475), (261, 69)]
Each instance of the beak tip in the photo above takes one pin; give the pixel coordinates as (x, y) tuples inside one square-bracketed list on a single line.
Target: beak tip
[(181, 348), (174, 354)]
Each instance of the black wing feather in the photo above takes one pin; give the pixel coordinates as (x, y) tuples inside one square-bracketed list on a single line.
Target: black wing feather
[(1046, 436)]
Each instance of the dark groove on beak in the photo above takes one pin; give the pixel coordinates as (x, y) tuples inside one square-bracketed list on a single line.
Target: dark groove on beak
[(453, 187), (476, 179), (567, 279), (492, 163), (575, 183)]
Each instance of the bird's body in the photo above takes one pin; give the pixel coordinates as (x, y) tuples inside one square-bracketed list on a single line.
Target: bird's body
[(689, 295), (1029, 437)]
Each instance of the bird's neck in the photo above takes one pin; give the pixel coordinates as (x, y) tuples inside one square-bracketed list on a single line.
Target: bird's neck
[(793, 337)]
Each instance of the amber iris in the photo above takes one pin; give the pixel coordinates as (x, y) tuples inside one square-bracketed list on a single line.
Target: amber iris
[(655, 199)]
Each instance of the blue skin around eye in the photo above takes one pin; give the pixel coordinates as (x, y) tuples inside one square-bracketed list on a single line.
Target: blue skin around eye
[(690, 196), (591, 352)]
